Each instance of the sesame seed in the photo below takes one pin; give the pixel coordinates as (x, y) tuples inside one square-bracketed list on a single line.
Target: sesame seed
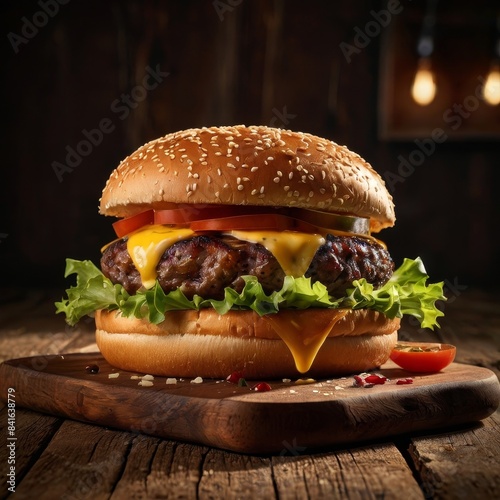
[(254, 169), (241, 187), (276, 180), (254, 192), (311, 194)]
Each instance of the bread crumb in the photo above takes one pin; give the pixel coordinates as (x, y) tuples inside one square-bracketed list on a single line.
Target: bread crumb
[(145, 383), (287, 380), (113, 375), (197, 380), (147, 377), (171, 381)]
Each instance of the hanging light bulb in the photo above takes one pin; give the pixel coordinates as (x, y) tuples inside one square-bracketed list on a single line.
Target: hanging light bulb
[(491, 89), (423, 89)]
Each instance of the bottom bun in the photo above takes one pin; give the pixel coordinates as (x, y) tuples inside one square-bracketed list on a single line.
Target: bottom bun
[(205, 344)]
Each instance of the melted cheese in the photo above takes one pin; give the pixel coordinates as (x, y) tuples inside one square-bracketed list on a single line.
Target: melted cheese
[(294, 251), (304, 334), (146, 246)]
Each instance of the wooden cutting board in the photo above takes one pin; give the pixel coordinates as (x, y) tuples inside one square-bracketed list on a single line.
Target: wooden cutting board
[(292, 417)]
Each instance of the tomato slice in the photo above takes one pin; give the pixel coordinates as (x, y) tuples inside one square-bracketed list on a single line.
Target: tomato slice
[(423, 357), (218, 218), (187, 214), (125, 226), (253, 222)]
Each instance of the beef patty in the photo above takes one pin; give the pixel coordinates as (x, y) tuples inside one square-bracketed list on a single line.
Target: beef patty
[(205, 265)]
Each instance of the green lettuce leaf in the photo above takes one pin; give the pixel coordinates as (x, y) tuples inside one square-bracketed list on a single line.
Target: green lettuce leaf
[(405, 293)]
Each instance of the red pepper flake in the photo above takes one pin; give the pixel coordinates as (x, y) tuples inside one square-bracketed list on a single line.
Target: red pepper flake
[(403, 381), (235, 377), (375, 379), (369, 380), (262, 387)]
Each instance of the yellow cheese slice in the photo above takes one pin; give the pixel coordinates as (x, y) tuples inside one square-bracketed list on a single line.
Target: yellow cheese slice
[(146, 246), (293, 250)]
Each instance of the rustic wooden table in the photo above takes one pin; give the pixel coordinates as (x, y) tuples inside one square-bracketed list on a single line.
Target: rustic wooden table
[(60, 458)]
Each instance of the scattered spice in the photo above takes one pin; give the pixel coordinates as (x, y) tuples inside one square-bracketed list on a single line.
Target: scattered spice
[(368, 380)]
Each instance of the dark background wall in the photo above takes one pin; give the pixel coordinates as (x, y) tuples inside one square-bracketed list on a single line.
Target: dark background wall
[(217, 62)]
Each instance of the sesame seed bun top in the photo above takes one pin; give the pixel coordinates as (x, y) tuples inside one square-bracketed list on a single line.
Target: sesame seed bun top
[(253, 165)]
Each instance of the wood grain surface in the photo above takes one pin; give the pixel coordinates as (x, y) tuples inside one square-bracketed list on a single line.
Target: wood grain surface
[(220, 414), (68, 459)]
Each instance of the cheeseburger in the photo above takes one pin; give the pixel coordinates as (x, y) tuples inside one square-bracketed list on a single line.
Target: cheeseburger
[(247, 249)]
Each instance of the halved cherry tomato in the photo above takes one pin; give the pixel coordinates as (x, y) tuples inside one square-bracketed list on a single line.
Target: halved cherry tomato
[(125, 226), (423, 357)]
